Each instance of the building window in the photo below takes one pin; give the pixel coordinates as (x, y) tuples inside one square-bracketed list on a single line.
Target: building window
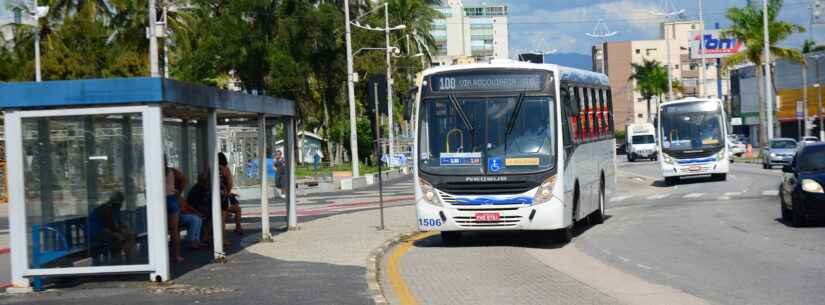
[(638, 51), (640, 115), (650, 52)]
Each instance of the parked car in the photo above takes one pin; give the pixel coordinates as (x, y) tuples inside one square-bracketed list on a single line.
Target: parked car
[(621, 149), (779, 151), (737, 148), (801, 194), (809, 140)]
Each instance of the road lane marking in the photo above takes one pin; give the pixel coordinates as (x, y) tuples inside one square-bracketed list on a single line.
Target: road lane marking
[(770, 193), (657, 197), (724, 198), (693, 195), (620, 198), (729, 194), (397, 283)]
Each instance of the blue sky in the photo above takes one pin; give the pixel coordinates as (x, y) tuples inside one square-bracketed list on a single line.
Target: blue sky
[(562, 24)]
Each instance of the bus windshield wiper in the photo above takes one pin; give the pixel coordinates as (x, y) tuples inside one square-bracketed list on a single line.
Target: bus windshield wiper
[(511, 121), (461, 113)]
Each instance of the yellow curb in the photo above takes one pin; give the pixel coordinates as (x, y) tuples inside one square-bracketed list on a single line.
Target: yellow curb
[(399, 286)]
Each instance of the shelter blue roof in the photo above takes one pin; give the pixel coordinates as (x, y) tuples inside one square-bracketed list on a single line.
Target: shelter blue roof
[(139, 90)]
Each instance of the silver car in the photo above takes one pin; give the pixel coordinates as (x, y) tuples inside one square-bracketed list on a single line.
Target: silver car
[(780, 151)]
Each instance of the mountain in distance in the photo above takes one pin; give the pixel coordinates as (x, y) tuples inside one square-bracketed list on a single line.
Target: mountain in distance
[(574, 60)]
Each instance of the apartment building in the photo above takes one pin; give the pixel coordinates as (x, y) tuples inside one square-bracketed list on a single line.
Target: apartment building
[(476, 32), (616, 58)]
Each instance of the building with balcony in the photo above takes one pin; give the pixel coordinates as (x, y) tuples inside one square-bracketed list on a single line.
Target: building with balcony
[(479, 32)]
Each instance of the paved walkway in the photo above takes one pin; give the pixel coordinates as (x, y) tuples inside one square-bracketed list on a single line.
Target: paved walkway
[(324, 262)]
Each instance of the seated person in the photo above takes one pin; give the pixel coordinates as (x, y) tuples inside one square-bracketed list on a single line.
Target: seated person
[(193, 220), (112, 232)]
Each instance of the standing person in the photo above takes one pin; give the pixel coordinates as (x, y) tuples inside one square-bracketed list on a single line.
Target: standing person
[(172, 211), (282, 179), (228, 200), (316, 161)]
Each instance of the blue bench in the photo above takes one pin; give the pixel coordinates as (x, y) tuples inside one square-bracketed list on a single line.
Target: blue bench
[(57, 240)]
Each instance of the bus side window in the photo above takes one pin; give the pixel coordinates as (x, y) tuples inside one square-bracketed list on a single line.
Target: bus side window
[(576, 122), (566, 119), (582, 100), (602, 115), (594, 131), (610, 122)]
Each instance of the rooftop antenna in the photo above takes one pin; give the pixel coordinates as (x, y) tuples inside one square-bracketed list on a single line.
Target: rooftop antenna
[(666, 9), (601, 31)]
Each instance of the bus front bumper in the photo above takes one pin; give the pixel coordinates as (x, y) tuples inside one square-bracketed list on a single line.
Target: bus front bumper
[(681, 170), (544, 216)]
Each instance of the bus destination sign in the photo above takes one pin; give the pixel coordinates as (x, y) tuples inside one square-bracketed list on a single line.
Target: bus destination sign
[(488, 82)]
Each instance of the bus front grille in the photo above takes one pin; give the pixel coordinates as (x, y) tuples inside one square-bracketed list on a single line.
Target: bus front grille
[(497, 188)]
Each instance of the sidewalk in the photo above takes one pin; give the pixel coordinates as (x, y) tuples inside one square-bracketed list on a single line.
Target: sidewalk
[(324, 262)]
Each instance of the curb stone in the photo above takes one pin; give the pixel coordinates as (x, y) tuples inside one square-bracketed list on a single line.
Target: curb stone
[(374, 266)]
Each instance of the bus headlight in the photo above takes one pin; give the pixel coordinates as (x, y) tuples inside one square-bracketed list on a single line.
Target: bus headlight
[(720, 155), (545, 191), (428, 191), (811, 186), (667, 159)]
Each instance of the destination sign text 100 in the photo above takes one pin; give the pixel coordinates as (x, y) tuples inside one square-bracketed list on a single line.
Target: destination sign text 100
[(484, 82)]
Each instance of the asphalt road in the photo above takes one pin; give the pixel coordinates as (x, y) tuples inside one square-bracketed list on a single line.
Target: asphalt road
[(718, 242)]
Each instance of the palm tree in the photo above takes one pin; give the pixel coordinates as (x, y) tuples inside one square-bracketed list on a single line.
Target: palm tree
[(747, 27), (417, 16), (811, 46), (651, 80)]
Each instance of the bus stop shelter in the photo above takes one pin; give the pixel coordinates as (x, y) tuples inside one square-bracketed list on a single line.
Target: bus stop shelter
[(84, 153)]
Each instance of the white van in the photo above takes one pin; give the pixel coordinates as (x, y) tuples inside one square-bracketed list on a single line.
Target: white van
[(641, 141)]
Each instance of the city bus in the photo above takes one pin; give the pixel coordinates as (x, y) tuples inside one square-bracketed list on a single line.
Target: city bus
[(694, 135), (512, 146)]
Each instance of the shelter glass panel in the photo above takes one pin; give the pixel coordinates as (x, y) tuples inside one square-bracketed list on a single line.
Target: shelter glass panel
[(85, 190)]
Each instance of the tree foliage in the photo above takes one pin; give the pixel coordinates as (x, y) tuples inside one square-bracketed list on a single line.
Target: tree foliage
[(291, 49), (747, 26)]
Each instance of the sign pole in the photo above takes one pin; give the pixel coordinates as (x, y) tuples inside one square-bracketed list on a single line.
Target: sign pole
[(378, 157)]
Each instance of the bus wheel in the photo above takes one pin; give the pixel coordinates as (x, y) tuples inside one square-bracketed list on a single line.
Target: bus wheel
[(598, 217), (450, 236)]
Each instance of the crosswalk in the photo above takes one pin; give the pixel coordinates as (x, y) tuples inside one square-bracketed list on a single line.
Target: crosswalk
[(693, 196)]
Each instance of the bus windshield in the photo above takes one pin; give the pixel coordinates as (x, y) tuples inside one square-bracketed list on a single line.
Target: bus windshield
[(692, 126), (486, 135)]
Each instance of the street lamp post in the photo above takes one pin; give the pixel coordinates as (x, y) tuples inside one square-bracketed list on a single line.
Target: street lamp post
[(389, 86), (388, 49), (39, 12), (153, 41), (353, 135)]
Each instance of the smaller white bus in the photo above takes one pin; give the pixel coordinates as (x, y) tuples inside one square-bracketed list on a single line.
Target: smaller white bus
[(693, 139)]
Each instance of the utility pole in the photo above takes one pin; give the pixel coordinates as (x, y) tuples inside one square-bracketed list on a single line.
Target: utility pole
[(804, 98), (768, 87), (819, 100), (701, 51), (389, 85), (670, 11), (153, 41), (353, 135)]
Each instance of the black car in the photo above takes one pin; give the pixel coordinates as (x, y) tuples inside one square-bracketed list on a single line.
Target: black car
[(801, 193)]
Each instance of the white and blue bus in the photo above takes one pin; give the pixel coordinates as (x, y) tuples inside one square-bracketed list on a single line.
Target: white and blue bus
[(512, 146), (694, 137)]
